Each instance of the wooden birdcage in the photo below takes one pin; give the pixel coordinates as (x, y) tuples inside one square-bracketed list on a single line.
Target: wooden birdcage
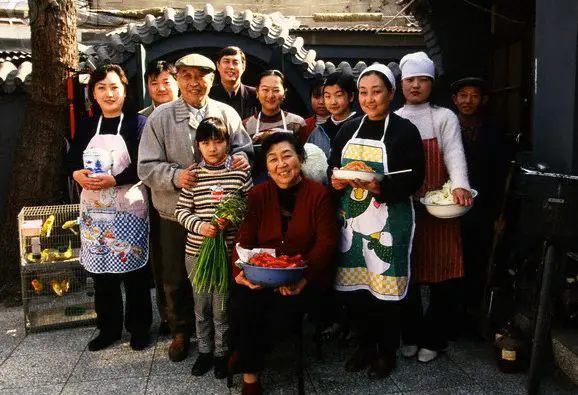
[(56, 290)]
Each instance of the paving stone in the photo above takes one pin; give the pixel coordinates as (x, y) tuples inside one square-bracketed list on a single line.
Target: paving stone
[(162, 365), (187, 384), (411, 375), (113, 363), (465, 390), (37, 369), (74, 339), (104, 387), (36, 390)]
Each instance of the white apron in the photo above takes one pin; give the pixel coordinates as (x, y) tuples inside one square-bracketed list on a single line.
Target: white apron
[(376, 238), (114, 222)]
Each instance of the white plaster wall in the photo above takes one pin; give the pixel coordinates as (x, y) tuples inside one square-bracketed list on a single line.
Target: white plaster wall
[(286, 7)]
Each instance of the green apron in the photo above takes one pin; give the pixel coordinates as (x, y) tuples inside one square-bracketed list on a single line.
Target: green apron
[(376, 238)]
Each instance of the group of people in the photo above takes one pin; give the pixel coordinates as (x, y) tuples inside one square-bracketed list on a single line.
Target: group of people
[(369, 247)]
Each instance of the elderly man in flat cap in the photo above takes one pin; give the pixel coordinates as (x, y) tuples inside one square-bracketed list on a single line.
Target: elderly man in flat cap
[(487, 157), (167, 155)]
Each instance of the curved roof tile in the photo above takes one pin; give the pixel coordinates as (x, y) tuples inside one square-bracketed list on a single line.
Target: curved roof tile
[(121, 44), (14, 77)]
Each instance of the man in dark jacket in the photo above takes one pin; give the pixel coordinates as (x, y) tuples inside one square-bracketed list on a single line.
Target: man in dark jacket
[(487, 158), (231, 64)]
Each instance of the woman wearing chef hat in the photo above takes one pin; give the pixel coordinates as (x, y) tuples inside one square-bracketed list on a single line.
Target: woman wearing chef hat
[(437, 255), (377, 219)]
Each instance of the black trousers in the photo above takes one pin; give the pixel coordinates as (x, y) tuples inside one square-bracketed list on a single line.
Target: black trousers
[(477, 236), (156, 260), (376, 321), (178, 290), (108, 302), (433, 328), (259, 319)]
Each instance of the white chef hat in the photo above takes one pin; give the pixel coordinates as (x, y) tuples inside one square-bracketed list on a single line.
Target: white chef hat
[(383, 69), (416, 64)]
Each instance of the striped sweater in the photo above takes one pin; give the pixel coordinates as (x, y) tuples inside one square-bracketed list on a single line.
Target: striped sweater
[(197, 205)]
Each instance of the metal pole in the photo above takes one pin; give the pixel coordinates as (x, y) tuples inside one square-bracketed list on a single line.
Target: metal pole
[(542, 330)]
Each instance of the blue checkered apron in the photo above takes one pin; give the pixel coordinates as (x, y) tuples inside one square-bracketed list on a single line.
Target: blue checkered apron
[(114, 223)]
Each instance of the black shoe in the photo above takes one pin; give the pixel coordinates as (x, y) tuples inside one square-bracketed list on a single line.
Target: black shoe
[(139, 340), (358, 361), (381, 367), (203, 364), (221, 367), (164, 328), (102, 341)]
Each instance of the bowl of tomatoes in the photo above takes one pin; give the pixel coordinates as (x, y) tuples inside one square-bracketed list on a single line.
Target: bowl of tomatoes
[(269, 271)]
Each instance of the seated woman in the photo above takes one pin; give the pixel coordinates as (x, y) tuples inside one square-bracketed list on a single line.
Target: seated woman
[(271, 92), (293, 215)]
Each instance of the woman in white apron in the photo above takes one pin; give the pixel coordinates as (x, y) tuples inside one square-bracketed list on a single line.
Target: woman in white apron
[(113, 211), (377, 221), (271, 92)]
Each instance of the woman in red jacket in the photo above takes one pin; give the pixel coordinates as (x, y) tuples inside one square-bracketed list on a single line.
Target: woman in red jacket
[(293, 215)]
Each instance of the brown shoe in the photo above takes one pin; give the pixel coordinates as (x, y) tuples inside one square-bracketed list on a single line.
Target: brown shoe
[(252, 388), (381, 366), (179, 348), (359, 360)]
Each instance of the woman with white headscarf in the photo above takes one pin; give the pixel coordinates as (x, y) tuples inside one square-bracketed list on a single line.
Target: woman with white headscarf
[(377, 220), (437, 256)]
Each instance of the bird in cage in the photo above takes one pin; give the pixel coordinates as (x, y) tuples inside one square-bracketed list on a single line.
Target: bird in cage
[(60, 288), (47, 226), (37, 285)]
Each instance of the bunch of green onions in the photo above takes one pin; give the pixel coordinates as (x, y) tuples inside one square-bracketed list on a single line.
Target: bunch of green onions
[(212, 272)]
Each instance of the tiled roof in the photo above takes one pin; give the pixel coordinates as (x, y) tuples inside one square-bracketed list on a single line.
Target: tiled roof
[(121, 44), (15, 71), (358, 28)]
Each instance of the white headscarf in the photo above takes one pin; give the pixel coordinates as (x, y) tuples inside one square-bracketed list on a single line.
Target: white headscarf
[(383, 69), (416, 64)]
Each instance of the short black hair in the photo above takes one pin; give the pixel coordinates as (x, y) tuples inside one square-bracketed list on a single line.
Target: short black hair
[(344, 80), (281, 137), (317, 87), (231, 51), (382, 77), (212, 128), (160, 66)]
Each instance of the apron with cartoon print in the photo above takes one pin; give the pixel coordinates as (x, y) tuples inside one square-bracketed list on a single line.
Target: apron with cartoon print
[(376, 238), (114, 227)]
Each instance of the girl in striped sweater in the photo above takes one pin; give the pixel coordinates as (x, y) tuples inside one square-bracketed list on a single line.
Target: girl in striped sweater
[(195, 210)]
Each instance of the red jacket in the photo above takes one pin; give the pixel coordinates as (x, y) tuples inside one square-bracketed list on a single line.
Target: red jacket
[(312, 231)]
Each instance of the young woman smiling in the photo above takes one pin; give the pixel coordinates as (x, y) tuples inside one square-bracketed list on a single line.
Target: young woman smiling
[(377, 220), (271, 92)]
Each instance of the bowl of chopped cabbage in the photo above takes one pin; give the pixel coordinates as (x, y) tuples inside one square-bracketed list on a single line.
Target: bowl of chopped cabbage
[(440, 203)]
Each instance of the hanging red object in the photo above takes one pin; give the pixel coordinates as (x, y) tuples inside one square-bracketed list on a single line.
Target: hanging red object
[(70, 97)]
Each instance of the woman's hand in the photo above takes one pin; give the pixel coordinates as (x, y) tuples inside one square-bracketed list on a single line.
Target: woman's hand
[(463, 197), (372, 186), (294, 289), (338, 184), (81, 177), (242, 280), (240, 162), (102, 181), (208, 230), (223, 223)]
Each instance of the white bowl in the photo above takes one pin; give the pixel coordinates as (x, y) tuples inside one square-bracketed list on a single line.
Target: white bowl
[(344, 174), (446, 211)]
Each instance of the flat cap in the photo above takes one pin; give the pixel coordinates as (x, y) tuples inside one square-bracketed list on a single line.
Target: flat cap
[(469, 81), (196, 60)]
